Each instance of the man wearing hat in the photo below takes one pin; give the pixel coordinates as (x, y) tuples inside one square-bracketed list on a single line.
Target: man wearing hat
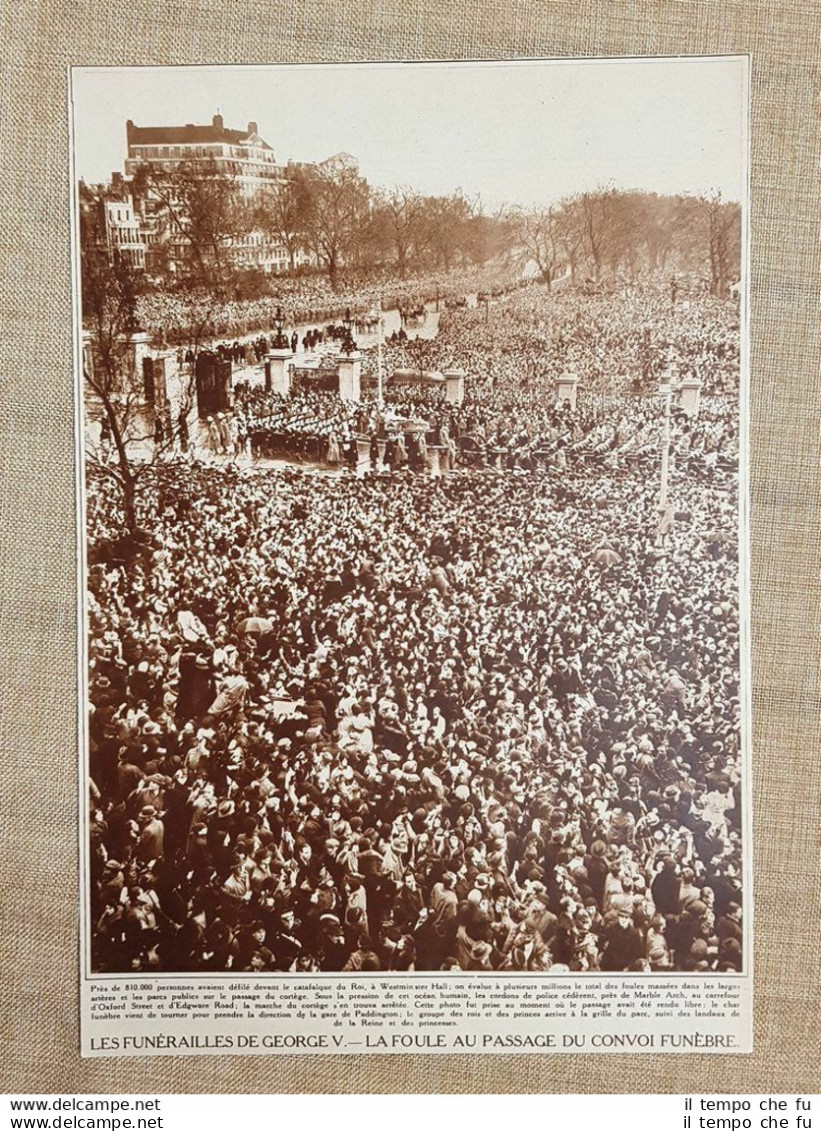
[(328, 942), (729, 925), (443, 899), (597, 869), (665, 888), (221, 835), (237, 886), (152, 831), (111, 883), (196, 686), (253, 953), (623, 944)]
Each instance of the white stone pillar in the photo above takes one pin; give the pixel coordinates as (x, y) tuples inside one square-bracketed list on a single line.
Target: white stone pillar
[(139, 347), (278, 364), (166, 367), (350, 369), (435, 452), (566, 386), (689, 395), (363, 452), (454, 386)]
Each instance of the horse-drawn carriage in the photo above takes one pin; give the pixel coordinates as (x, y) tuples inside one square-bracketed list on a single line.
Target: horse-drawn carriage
[(472, 450)]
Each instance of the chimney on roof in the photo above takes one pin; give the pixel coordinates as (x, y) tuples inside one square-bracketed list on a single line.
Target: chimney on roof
[(252, 128), (217, 122)]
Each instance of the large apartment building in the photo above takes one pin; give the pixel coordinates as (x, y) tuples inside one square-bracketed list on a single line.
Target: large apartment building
[(135, 226), (240, 154)]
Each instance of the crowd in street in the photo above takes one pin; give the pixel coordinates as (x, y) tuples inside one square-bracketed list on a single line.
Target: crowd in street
[(513, 361), (486, 721), (613, 341), (310, 298), (314, 425)]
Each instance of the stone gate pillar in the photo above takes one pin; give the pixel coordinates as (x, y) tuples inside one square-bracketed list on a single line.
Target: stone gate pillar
[(689, 395), (139, 348), (566, 386), (454, 386), (437, 456), (278, 371), (350, 371)]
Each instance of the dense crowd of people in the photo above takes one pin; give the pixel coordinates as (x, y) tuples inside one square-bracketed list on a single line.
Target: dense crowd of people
[(508, 413), (307, 298), (316, 426), (487, 721), (611, 341)]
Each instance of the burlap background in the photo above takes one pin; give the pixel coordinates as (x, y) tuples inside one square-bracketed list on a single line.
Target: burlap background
[(38, 938)]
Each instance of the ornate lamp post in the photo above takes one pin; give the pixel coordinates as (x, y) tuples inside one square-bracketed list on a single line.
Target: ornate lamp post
[(666, 389), (280, 341), (278, 361), (348, 343), (349, 363), (379, 341)]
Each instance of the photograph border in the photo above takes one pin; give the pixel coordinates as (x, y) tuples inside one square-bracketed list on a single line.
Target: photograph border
[(744, 548)]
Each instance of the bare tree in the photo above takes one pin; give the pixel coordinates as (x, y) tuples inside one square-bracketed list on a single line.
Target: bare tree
[(282, 214), (538, 232), (627, 216), (724, 235), (199, 220), (489, 237), (570, 234), (444, 223), (202, 214), (336, 213), (399, 212), (110, 286), (659, 221), (597, 210)]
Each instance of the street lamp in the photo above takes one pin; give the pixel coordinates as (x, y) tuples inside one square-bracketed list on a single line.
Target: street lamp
[(665, 391), (348, 344), (380, 335), (280, 341)]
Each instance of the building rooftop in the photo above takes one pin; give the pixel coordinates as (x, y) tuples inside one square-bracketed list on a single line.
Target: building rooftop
[(192, 135)]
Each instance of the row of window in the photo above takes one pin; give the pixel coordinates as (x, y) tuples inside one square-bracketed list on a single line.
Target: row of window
[(130, 235), (120, 215), (242, 153)]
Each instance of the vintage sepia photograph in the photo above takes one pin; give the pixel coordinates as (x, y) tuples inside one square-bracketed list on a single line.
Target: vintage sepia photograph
[(412, 491)]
